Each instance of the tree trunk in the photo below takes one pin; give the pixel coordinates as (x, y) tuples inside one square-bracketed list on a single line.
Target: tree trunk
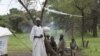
[(95, 21), (31, 16), (95, 27), (43, 10), (82, 27)]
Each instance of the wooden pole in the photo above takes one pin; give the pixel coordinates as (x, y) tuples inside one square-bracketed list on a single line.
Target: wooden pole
[(43, 9), (31, 17), (42, 13)]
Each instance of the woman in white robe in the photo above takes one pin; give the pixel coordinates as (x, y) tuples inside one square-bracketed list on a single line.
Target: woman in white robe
[(38, 40)]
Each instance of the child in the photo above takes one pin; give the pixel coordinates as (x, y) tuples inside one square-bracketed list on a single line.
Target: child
[(53, 43), (73, 47), (61, 45)]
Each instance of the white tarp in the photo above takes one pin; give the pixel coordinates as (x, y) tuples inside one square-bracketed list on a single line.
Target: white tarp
[(4, 33)]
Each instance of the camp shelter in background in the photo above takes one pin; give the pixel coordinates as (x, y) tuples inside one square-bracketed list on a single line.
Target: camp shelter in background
[(4, 33)]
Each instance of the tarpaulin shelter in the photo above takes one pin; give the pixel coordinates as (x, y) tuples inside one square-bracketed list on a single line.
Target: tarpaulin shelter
[(4, 33)]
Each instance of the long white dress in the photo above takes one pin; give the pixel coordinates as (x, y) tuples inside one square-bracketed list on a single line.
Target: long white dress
[(38, 43)]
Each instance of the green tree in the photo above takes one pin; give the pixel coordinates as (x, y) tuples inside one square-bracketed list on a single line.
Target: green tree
[(16, 17), (4, 20), (87, 9), (63, 6), (78, 7), (14, 21)]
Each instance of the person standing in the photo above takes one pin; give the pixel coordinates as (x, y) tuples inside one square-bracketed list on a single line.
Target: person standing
[(47, 41), (73, 47), (61, 45), (37, 39), (53, 43)]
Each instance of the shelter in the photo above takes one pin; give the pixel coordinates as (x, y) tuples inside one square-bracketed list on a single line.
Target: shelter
[(4, 33)]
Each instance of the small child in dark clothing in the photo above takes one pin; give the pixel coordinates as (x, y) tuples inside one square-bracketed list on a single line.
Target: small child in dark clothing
[(73, 47), (53, 43)]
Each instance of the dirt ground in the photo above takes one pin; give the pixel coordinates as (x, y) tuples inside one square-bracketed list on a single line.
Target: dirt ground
[(77, 53), (26, 53), (20, 53)]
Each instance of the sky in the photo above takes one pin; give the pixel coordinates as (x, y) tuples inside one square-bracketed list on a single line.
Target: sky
[(5, 5)]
